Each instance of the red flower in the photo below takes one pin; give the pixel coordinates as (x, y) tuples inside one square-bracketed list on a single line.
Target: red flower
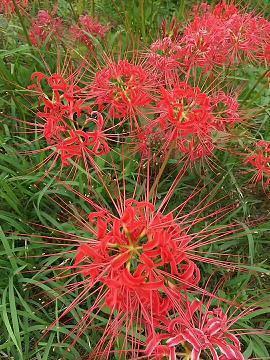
[(224, 35), (187, 108), (7, 6), (81, 143), (260, 160), (70, 127), (123, 88), (132, 250), (211, 330), (88, 26), (165, 57), (205, 42), (186, 118), (43, 27)]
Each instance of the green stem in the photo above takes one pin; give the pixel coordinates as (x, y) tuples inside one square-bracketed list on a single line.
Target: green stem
[(141, 4), (22, 22), (181, 9), (73, 11), (256, 84), (93, 8), (161, 170)]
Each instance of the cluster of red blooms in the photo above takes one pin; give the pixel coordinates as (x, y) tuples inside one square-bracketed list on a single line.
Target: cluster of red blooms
[(44, 27), (196, 330), (87, 25), (217, 36), (142, 263), (188, 117), (156, 99), (123, 89), (183, 115), (47, 26), (260, 161), (70, 126), (7, 6)]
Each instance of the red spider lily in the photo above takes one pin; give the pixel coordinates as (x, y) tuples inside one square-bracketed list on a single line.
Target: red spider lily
[(7, 6), (131, 250), (165, 57), (45, 26), (209, 331), (187, 108), (71, 128), (78, 143), (138, 265), (196, 330), (245, 36), (205, 42), (223, 35), (189, 118), (88, 25), (123, 88), (260, 160)]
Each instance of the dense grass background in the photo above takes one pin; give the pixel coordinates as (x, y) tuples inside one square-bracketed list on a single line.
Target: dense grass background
[(28, 206)]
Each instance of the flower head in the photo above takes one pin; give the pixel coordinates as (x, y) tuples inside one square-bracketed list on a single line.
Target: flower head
[(71, 128), (259, 159), (189, 118), (131, 252), (88, 25), (208, 330), (165, 57), (45, 26), (7, 6), (122, 88)]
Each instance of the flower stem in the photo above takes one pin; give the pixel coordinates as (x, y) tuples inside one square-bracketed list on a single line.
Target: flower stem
[(161, 170), (22, 22), (256, 84)]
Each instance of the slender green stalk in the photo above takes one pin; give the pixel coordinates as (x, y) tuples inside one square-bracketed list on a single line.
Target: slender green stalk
[(142, 16), (75, 16), (256, 84), (161, 170), (22, 22), (181, 9), (93, 8)]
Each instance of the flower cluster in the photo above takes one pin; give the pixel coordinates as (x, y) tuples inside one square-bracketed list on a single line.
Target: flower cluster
[(259, 159), (189, 117), (216, 36), (165, 100), (7, 6), (180, 114), (132, 252), (196, 330), (88, 26), (44, 27), (142, 263), (47, 26), (142, 260), (70, 126), (123, 89)]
